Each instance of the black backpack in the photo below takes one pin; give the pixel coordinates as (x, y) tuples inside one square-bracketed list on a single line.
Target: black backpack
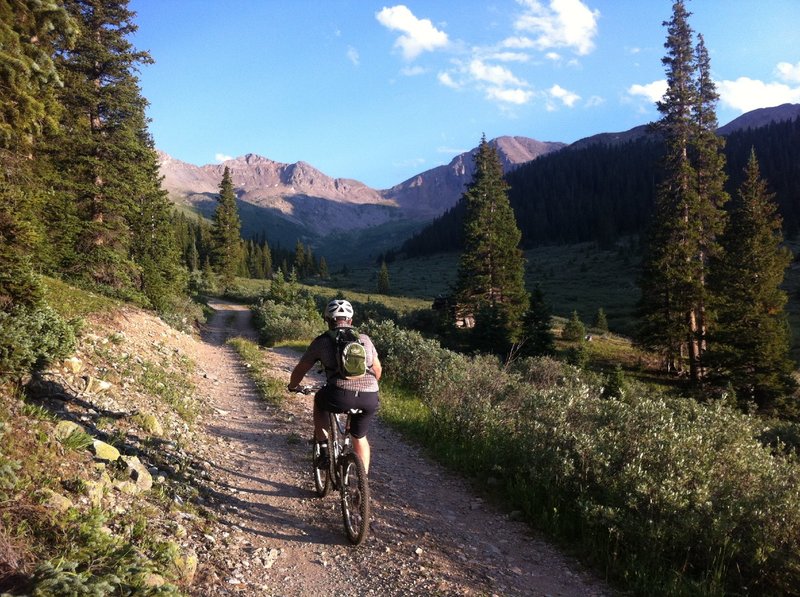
[(351, 354)]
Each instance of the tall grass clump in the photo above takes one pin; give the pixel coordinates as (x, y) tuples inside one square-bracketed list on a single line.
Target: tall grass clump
[(668, 495), (271, 389)]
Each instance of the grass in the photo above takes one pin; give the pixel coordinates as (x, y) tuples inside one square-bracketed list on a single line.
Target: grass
[(71, 302), (578, 278), (271, 389)]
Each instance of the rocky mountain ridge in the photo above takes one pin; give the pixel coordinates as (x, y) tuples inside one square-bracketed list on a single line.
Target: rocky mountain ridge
[(290, 201)]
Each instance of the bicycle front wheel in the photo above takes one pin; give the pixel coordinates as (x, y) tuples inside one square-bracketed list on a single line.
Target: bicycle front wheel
[(354, 492), (322, 479)]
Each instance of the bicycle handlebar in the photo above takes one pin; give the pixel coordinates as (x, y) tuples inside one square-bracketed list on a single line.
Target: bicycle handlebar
[(302, 389)]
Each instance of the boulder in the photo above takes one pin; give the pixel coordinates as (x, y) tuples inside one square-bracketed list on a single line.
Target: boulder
[(73, 364), (66, 428), (184, 565), (104, 451), (55, 501), (138, 473), (149, 423)]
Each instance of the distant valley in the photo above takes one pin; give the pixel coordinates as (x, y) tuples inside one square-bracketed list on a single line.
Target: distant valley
[(284, 202)]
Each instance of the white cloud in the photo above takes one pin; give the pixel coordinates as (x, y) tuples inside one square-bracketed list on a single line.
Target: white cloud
[(652, 91), (510, 57), (496, 75), (567, 98), (412, 71), (446, 80), (221, 157), (518, 43), (509, 96), (352, 55), (789, 72), (418, 35), (745, 94), (554, 56), (595, 101), (564, 24)]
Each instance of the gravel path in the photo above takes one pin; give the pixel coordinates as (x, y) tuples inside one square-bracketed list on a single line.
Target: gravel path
[(429, 536)]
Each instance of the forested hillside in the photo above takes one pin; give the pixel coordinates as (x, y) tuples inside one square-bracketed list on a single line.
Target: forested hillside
[(601, 192)]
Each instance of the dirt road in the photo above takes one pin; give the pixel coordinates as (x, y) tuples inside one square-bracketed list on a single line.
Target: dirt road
[(430, 535)]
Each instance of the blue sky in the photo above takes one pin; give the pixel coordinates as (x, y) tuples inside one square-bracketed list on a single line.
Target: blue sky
[(379, 92)]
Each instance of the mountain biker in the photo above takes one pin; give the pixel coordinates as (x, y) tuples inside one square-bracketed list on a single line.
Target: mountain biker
[(340, 394)]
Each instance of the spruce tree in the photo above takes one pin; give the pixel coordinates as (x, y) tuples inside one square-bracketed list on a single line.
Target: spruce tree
[(227, 233), (750, 346), (383, 279), (537, 331), (491, 269), (687, 216), (103, 159), (323, 268), (31, 333)]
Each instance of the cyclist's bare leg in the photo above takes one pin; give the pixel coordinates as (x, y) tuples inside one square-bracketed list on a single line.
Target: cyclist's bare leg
[(361, 447), (320, 422)]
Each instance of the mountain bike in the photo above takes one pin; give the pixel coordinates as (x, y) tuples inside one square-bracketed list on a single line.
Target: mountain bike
[(345, 472)]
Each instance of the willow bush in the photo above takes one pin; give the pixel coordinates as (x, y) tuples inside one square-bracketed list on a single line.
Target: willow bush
[(669, 495)]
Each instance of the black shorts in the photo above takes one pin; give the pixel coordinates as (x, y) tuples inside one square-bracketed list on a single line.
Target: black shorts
[(337, 400)]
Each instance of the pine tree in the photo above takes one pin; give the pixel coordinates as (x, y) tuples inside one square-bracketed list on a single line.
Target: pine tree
[(383, 279), (537, 331), (574, 330), (30, 332), (103, 158), (491, 268), (226, 233), (750, 346), (600, 320), (687, 218), (266, 260), (28, 104), (323, 268)]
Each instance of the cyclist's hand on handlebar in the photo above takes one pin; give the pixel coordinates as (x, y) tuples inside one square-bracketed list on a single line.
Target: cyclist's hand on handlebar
[(300, 389)]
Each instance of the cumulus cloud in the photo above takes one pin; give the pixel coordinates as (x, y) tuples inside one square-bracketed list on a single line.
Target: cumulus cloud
[(221, 157), (510, 57), (352, 55), (412, 71), (745, 94), (418, 35), (496, 75), (510, 96), (562, 24), (447, 80), (652, 91), (568, 98), (789, 72)]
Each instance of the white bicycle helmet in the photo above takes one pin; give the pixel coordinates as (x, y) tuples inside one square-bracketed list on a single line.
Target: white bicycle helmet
[(338, 309)]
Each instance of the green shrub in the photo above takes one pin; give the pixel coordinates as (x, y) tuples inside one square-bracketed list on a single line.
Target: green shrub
[(671, 495), (32, 337), (277, 322)]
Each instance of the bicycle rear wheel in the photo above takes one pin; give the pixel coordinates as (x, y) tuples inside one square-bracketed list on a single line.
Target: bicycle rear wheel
[(354, 492), (334, 449), (322, 478)]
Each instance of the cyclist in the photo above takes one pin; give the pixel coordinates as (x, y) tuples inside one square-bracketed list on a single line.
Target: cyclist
[(339, 394)]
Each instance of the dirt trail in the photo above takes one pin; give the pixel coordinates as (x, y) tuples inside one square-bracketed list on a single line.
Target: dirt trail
[(430, 534)]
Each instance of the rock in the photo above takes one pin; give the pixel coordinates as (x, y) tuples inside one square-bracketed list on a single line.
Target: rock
[(149, 423), (153, 580), (138, 473), (184, 565), (55, 501), (73, 364), (104, 451), (66, 428), (96, 490)]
